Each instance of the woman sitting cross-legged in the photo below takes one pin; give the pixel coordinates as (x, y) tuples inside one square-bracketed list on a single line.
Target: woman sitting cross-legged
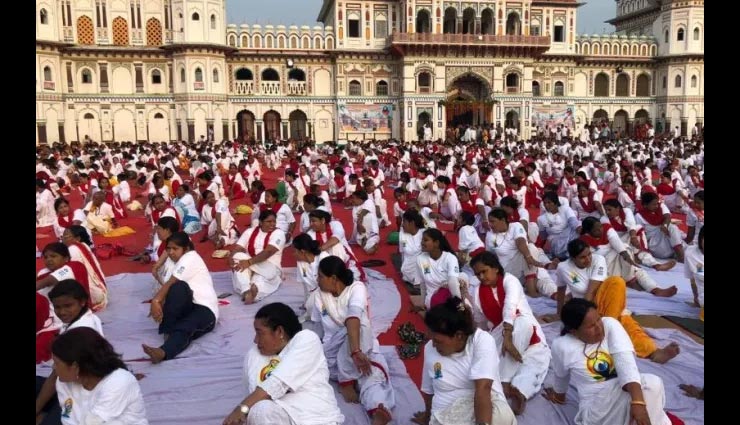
[(585, 276), (256, 259), (605, 241), (308, 254), (350, 346), (186, 307), (460, 380), (439, 270), (596, 355), (501, 308), (283, 387)]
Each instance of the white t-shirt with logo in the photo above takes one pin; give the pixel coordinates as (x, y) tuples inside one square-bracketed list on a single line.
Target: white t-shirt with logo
[(504, 244), (577, 279), (449, 378), (116, 399)]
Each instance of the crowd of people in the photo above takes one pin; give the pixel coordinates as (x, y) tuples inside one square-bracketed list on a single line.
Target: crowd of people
[(596, 213)]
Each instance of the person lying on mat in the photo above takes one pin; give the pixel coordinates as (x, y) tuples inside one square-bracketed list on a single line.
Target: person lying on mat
[(460, 380), (508, 240), (186, 307), (350, 347), (78, 242), (694, 271), (94, 385), (622, 220), (256, 259), (330, 235), (596, 355), (282, 387), (501, 308), (605, 241), (439, 269), (585, 276)]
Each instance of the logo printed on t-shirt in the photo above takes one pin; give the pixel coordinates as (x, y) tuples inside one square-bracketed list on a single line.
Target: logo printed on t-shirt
[(267, 370), (600, 365), (437, 370), (67, 408)]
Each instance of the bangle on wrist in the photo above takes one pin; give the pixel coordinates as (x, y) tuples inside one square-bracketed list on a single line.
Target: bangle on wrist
[(638, 403), (352, 354)]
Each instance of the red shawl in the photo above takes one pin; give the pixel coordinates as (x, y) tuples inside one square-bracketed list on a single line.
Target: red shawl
[(514, 216), (653, 217), (161, 248), (79, 272), (253, 238), (665, 189), (88, 254), (402, 205), (588, 206), (618, 224), (470, 205), (594, 242), (494, 310), (338, 180), (329, 234), (156, 215), (65, 222)]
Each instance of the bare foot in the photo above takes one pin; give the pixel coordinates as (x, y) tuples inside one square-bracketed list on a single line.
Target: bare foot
[(518, 401), (156, 354), (139, 376), (249, 296), (664, 292), (634, 285), (507, 389), (381, 416), (665, 266), (349, 393), (692, 391), (662, 355)]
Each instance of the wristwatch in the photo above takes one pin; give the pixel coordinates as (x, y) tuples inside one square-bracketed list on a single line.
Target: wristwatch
[(244, 409)]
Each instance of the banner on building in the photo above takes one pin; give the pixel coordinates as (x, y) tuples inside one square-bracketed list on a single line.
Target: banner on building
[(552, 116), (361, 118)]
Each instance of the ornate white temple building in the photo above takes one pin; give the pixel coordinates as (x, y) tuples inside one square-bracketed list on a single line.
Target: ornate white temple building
[(125, 70)]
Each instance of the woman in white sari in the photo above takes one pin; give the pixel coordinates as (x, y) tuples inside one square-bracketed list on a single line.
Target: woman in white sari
[(283, 387), (501, 308), (78, 241), (350, 346), (596, 355), (460, 381)]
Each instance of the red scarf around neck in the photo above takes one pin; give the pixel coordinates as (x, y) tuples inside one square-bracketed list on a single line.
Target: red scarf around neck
[(65, 222), (594, 242), (470, 205), (665, 189), (589, 205), (655, 218), (402, 205), (494, 309), (618, 223), (514, 216), (339, 181), (329, 234), (79, 272), (253, 239), (156, 215)]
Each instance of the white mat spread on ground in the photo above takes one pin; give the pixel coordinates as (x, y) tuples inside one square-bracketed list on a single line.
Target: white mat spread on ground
[(204, 383), (644, 303)]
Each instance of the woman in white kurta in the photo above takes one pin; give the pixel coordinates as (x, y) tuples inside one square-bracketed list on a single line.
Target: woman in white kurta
[(460, 381), (77, 240), (664, 238), (449, 204), (587, 203), (469, 243), (409, 245), (284, 215), (524, 260), (282, 387), (366, 231), (311, 202), (596, 356), (695, 218), (66, 217), (45, 215), (605, 241), (256, 260), (186, 307), (622, 220), (628, 194), (501, 308), (308, 254), (518, 214), (427, 188), (439, 269), (217, 222), (694, 271), (350, 346), (332, 240), (375, 195), (558, 226)]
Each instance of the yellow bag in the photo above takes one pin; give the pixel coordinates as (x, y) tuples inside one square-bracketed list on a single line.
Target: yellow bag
[(243, 209)]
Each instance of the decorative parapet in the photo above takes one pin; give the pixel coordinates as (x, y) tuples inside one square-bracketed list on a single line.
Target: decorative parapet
[(280, 37), (613, 45)]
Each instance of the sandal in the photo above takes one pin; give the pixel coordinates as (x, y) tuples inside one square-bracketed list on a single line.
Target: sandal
[(408, 334), (408, 351)]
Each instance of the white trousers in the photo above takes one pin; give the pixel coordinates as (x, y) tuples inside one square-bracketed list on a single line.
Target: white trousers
[(611, 405), (528, 375), (265, 276), (660, 244), (462, 412)]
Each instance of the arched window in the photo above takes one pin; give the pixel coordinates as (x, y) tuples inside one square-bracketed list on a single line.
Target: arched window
[(697, 34), (86, 76), (425, 82), (47, 74), (158, 116), (665, 36), (601, 85), (381, 88), (44, 16), (678, 82), (512, 83), (694, 81), (536, 89), (182, 75), (198, 75), (244, 74), (680, 34), (156, 77), (213, 22), (355, 88), (559, 88), (643, 86), (215, 75), (196, 17)]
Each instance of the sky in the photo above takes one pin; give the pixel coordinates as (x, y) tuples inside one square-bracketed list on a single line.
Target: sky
[(591, 15)]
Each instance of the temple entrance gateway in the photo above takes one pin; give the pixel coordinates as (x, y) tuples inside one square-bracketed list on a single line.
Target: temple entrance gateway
[(468, 101)]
